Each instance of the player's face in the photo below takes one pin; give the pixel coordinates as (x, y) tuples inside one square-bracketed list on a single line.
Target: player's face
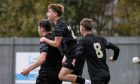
[(51, 15)]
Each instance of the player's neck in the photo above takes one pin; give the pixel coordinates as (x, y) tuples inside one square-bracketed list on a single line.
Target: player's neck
[(55, 20), (45, 33), (86, 33)]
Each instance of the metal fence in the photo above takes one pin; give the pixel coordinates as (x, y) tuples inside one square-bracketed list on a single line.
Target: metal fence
[(122, 71)]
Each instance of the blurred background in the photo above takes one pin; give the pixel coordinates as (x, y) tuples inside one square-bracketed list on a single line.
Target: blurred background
[(18, 18), (116, 20)]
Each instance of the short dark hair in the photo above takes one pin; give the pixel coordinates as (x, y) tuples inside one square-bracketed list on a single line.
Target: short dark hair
[(87, 24), (45, 24), (58, 8)]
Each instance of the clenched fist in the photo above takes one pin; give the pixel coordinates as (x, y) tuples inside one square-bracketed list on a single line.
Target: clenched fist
[(25, 72)]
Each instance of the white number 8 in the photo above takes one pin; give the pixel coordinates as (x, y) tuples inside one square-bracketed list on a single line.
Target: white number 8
[(97, 47)]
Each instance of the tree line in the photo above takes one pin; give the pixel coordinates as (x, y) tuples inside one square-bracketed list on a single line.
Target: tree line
[(19, 18)]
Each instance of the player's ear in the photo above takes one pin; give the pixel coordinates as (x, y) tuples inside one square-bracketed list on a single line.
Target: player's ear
[(43, 29), (83, 29), (55, 14)]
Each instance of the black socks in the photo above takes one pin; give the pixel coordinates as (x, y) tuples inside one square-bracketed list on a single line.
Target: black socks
[(80, 80)]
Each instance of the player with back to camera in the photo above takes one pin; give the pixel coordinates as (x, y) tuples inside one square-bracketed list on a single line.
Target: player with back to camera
[(93, 48)]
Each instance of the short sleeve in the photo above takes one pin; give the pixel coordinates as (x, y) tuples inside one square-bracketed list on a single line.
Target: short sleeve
[(59, 29), (43, 47)]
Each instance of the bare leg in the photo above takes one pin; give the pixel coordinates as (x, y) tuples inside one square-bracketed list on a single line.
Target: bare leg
[(73, 83), (65, 75)]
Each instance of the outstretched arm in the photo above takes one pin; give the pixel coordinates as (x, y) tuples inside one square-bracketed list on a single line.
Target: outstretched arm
[(39, 62)]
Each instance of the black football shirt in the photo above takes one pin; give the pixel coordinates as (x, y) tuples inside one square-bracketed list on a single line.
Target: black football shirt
[(93, 48), (68, 39), (54, 57)]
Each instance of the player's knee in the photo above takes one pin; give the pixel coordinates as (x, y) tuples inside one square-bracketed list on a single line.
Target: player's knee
[(61, 77)]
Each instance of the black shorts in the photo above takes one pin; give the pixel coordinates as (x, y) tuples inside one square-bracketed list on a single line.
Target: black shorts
[(68, 64), (78, 68), (103, 81), (69, 49), (71, 53), (48, 77)]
